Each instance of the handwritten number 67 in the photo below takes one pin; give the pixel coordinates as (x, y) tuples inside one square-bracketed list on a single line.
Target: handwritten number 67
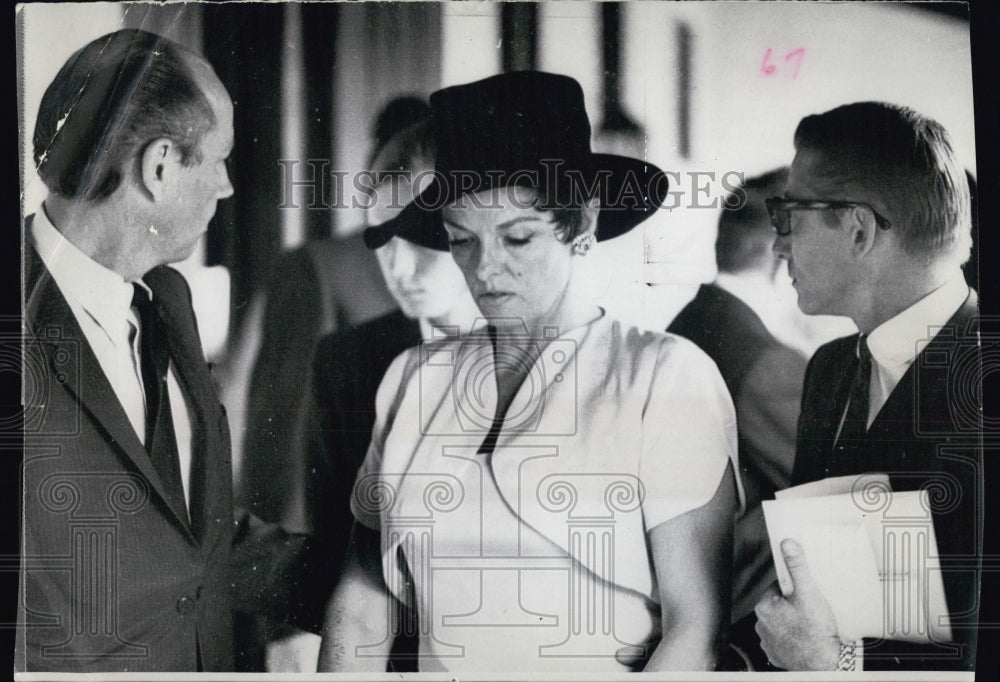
[(768, 69)]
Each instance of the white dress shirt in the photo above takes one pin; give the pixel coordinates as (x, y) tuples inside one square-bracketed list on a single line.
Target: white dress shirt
[(895, 343), (101, 301)]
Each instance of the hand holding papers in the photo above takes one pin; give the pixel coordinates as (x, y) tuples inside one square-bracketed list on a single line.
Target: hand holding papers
[(871, 552), (798, 631)]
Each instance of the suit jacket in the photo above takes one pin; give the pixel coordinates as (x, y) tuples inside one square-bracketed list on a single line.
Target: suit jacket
[(928, 435), (326, 285), (764, 378), (114, 576)]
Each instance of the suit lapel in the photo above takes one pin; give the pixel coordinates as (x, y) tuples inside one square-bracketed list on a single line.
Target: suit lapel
[(51, 321), (921, 394), (841, 380)]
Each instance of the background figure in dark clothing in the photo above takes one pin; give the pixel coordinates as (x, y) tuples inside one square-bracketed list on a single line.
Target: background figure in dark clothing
[(763, 375), (326, 285), (349, 365)]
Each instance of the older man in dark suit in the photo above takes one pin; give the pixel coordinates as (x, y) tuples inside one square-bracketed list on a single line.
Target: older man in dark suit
[(132, 556), (875, 226)]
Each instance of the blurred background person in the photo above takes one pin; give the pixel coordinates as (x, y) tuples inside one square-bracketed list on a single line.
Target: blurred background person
[(325, 285), (316, 289), (349, 365), (764, 376)]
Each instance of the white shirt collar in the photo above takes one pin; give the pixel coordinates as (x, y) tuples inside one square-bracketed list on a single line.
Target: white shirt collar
[(894, 343), (102, 293)]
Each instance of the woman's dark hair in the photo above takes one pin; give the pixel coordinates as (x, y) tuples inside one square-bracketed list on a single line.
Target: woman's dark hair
[(111, 99), (566, 208)]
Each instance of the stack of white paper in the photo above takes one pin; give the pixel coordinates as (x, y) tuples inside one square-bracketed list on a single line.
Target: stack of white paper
[(871, 551)]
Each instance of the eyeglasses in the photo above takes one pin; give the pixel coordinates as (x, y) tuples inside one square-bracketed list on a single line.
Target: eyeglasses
[(780, 211)]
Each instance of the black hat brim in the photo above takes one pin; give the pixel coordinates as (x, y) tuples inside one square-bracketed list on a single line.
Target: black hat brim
[(630, 190)]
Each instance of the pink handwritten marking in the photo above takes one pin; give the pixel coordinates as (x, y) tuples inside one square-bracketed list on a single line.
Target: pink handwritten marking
[(798, 54), (766, 68), (769, 69)]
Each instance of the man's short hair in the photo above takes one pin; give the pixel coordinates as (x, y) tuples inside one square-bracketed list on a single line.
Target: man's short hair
[(904, 160), (108, 101), (397, 115), (411, 148), (745, 233)]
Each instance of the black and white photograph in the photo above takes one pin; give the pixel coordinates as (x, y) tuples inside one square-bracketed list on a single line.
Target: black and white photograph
[(501, 340)]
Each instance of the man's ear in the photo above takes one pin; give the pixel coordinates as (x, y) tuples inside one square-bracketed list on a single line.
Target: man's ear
[(863, 230), (158, 164)]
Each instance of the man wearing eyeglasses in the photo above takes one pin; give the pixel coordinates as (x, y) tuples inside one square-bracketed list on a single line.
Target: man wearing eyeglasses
[(875, 226)]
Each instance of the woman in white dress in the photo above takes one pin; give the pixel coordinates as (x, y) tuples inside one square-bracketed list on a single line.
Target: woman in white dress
[(556, 493)]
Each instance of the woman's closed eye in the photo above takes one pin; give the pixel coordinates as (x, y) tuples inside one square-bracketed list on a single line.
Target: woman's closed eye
[(517, 241)]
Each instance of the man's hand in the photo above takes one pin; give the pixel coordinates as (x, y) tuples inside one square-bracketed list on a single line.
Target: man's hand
[(798, 632)]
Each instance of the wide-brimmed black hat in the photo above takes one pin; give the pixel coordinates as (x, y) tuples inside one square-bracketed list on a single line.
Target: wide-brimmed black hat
[(524, 128)]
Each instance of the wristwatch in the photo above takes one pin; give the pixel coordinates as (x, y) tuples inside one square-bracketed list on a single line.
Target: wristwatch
[(848, 656)]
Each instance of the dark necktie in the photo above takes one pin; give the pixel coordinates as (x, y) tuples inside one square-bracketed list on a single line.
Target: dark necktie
[(855, 426), (161, 443)]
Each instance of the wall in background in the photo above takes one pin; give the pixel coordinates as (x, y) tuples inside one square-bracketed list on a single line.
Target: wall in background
[(716, 87), (384, 50)]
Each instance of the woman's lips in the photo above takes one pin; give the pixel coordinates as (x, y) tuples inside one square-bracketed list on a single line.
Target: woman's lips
[(494, 296)]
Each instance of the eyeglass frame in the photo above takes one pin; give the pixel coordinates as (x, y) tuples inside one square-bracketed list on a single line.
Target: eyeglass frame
[(810, 205)]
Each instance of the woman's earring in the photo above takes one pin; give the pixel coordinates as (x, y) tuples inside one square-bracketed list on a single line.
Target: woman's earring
[(583, 243)]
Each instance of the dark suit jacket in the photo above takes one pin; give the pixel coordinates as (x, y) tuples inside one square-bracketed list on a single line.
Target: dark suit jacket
[(114, 577), (764, 378), (928, 435), (324, 286), (348, 369)]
